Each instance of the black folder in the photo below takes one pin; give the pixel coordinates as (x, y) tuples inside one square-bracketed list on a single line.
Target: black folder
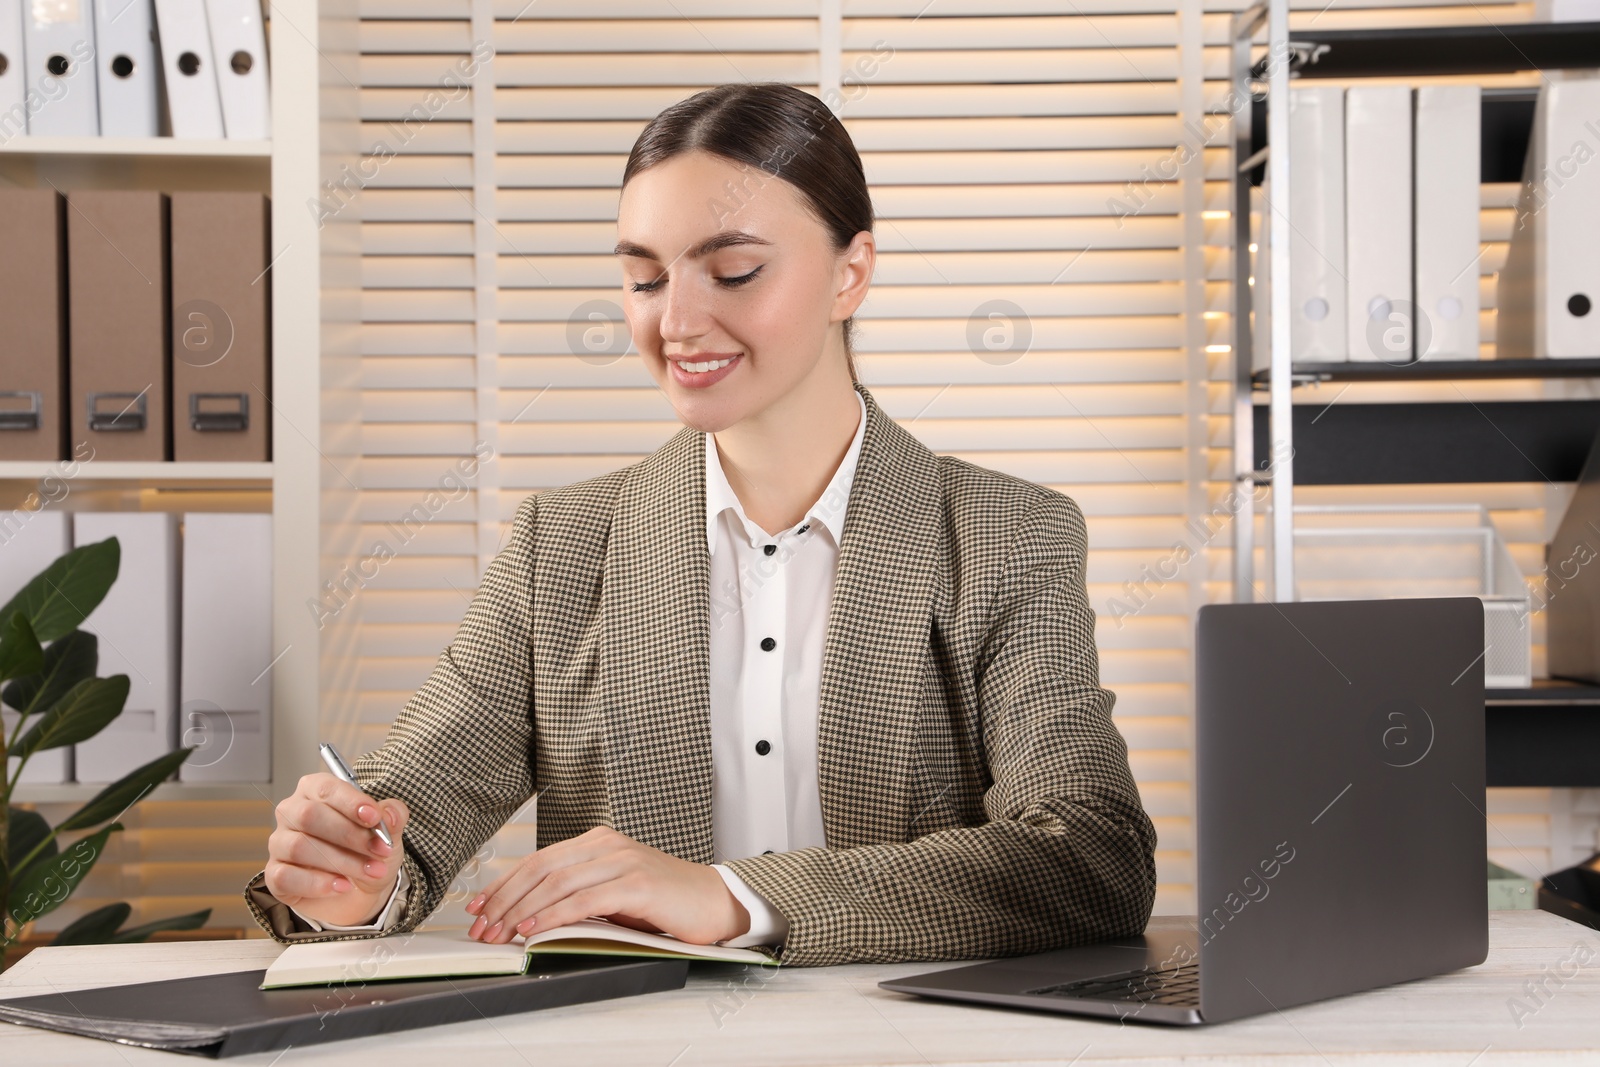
[(229, 1015)]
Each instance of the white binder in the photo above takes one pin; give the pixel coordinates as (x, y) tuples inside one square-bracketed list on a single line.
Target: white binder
[(240, 45), (137, 624), (1566, 10), (188, 70), (29, 542), (1448, 131), (226, 714), (1318, 330), (58, 44), (14, 75), (126, 68), (1378, 223), (1549, 289)]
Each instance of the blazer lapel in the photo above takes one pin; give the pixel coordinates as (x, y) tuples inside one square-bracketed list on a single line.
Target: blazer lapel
[(878, 626), (655, 648), (656, 652)]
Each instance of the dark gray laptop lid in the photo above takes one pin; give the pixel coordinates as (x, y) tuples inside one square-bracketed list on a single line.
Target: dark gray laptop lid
[(1339, 757)]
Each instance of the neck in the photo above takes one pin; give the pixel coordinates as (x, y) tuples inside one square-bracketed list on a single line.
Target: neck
[(779, 461)]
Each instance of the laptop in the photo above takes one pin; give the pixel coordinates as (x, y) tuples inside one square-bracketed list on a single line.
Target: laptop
[(1340, 826)]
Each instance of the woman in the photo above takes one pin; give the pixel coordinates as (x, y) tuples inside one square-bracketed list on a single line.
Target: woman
[(792, 679)]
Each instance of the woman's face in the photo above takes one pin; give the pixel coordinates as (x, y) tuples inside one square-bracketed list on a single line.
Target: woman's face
[(724, 265)]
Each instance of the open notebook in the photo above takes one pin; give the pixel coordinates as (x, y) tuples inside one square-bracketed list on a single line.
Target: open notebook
[(437, 954)]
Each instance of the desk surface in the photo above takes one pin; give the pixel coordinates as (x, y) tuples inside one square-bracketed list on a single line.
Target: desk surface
[(839, 1016)]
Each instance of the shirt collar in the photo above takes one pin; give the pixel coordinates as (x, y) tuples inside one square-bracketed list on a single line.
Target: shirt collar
[(829, 509)]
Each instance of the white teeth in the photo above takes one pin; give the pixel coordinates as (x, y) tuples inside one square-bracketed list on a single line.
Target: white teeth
[(701, 368)]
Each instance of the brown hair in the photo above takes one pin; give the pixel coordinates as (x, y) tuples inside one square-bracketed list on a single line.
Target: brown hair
[(786, 132)]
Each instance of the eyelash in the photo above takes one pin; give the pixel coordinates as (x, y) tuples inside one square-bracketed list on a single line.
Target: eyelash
[(731, 283)]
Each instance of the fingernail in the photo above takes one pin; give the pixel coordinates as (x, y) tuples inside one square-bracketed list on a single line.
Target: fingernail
[(477, 927), (367, 814), (374, 870), (341, 886), (475, 903), (524, 926), (494, 931)]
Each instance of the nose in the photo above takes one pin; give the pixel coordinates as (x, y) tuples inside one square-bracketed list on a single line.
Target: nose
[(683, 316)]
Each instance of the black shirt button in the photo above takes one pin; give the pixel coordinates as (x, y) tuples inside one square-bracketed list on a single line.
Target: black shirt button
[(770, 549), (768, 644), (762, 748)]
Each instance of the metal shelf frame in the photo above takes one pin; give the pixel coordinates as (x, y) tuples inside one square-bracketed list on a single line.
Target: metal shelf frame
[(1274, 16)]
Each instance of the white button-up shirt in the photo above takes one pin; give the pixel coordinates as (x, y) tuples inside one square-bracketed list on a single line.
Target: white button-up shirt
[(770, 595)]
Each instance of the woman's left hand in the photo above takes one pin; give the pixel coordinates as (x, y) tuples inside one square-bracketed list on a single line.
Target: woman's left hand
[(607, 873)]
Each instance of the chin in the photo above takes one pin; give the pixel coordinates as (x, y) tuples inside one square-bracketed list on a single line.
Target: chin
[(696, 410), (705, 414)]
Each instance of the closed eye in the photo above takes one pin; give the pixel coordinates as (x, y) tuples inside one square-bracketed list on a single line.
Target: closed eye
[(734, 283), (731, 283)]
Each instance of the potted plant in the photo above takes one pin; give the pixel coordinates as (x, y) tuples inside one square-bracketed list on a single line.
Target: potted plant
[(47, 671)]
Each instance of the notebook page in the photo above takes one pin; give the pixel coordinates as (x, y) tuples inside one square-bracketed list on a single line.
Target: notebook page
[(597, 936), (435, 954)]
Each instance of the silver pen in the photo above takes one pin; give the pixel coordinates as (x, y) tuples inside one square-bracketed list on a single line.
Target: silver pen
[(337, 766)]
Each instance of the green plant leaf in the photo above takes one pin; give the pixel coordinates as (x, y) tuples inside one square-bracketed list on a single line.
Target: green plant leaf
[(68, 661), (85, 710), (19, 649), (40, 889), (117, 797), (193, 921), (62, 595), (95, 928), (28, 828)]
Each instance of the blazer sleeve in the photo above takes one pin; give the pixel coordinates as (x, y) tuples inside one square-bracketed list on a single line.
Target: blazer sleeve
[(460, 752), (1067, 853)]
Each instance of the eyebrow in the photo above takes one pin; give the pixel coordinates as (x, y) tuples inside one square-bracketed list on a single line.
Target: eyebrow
[(714, 243)]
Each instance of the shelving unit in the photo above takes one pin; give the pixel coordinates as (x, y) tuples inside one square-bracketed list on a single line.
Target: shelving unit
[(152, 474), (126, 147), (77, 793), (137, 163), (1411, 428), (1543, 736), (1347, 443), (1425, 51), (308, 484), (1441, 370)]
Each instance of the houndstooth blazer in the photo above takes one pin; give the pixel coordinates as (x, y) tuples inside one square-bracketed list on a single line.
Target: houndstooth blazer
[(976, 795)]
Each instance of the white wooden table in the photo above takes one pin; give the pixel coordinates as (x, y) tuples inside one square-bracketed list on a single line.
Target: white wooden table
[(838, 1015)]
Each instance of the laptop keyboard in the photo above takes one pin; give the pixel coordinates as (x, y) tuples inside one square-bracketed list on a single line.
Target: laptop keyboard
[(1178, 986)]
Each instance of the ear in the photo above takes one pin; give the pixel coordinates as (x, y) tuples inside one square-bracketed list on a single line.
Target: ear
[(853, 275)]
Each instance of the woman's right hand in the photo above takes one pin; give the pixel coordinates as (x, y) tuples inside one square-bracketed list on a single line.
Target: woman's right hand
[(324, 861)]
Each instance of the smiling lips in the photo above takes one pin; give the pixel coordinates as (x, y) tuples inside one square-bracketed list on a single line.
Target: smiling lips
[(704, 370), (715, 362)]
